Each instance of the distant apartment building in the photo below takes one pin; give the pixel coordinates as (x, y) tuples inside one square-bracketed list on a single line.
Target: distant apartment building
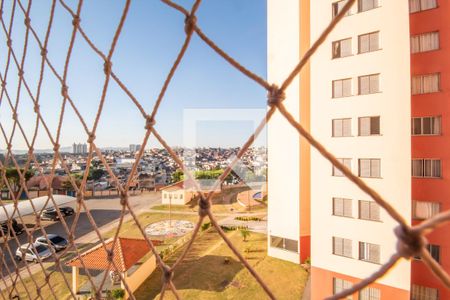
[(135, 147), (79, 148), (376, 95)]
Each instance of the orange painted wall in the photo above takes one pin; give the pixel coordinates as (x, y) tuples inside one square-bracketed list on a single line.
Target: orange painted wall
[(322, 286), (433, 146)]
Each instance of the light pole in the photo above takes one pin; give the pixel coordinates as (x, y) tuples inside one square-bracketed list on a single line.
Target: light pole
[(170, 210)]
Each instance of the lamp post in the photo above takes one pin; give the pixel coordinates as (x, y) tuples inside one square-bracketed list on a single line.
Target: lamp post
[(170, 210)]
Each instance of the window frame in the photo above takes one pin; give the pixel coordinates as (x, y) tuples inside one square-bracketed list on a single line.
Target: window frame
[(370, 203), (432, 161), (369, 117), (340, 48), (374, 7), (370, 87), (435, 118), (366, 251), (368, 34), (333, 10), (341, 81), (414, 209), (336, 172), (420, 4), (342, 127), (422, 77), (344, 202), (343, 247), (419, 35), (370, 159)]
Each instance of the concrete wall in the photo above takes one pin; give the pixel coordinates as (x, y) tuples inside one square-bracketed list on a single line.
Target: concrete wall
[(141, 274)]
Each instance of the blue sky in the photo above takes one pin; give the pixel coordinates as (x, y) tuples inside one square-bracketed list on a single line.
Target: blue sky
[(150, 40)]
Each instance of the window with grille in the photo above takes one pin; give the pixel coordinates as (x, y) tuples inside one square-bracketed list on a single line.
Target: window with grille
[(342, 48), (369, 252), (425, 42), (338, 6), (364, 5), (342, 88), (284, 243), (434, 252), (369, 167), (369, 42), (342, 207), (426, 125), (428, 168), (342, 127), (424, 84), (425, 209), (369, 126), (369, 84), (342, 247), (346, 162), (339, 285), (421, 5), (369, 210), (370, 293), (419, 292)]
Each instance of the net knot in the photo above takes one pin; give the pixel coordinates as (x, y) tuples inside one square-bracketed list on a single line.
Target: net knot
[(30, 151), (79, 197), (410, 243), (123, 198), (44, 52), (204, 206), (149, 122), (9, 42), (64, 90), (167, 274), (91, 138), (36, 108), (27, 21), (189, 23), (76, 21), (3, 84), (275, 95), (20, 73), (14, 116), (71, 238), (107, 67), (56, 147), (9, 147)]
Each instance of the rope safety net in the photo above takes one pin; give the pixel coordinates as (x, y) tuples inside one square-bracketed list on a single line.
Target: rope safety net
[(411, 240)]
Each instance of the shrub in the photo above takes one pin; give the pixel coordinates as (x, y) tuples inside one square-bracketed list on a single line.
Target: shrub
[(245, 233), (246, 219), (118, 293), (205, 226)]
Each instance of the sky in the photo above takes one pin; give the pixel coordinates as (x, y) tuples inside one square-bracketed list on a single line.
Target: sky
[(151, 38)]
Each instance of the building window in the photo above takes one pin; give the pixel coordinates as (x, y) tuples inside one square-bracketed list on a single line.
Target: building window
[(369, 252), (342, 88), (370, 293), (369, 126), (419, 292), (342, 247), (339, 285), (346, 162), (424, 209), (369, 84), (342, 127), (434, 251), (426, 126), (369, 42), (338, 6), (342, 207), (425, 42), (284, 243), (364, 5), (342, 48), (420, 5), (428, 168), (181, 196), (424, 84), (369, 210), (370, 167)]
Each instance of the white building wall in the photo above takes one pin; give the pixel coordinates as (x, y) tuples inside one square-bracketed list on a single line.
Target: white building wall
[(392, 146), (283, 140)]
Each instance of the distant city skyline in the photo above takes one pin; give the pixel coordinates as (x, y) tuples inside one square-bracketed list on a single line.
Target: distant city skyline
[(149, 42)]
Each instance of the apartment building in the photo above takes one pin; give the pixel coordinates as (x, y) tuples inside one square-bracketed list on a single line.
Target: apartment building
[(430, 127), (355, 98)]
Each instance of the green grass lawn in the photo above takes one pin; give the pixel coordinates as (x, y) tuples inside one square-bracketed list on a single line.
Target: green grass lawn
[(204, 274), (216, 208)]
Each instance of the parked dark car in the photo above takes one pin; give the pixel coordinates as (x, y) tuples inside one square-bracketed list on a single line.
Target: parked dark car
[(17, 228), (52, 215), (55, 241)]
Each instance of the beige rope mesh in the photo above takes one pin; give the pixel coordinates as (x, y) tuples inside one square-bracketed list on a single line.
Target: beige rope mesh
[(411, 240)]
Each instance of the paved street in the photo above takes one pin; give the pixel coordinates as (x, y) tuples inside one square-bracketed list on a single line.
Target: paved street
[(103, 211)]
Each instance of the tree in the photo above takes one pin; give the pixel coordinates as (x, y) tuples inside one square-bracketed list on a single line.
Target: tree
[(177, 176), (13, 178), (245, 233), (96, 174), (67, 185)]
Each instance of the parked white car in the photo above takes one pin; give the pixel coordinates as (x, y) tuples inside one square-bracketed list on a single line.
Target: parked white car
[(57, 242), (29, 253)]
